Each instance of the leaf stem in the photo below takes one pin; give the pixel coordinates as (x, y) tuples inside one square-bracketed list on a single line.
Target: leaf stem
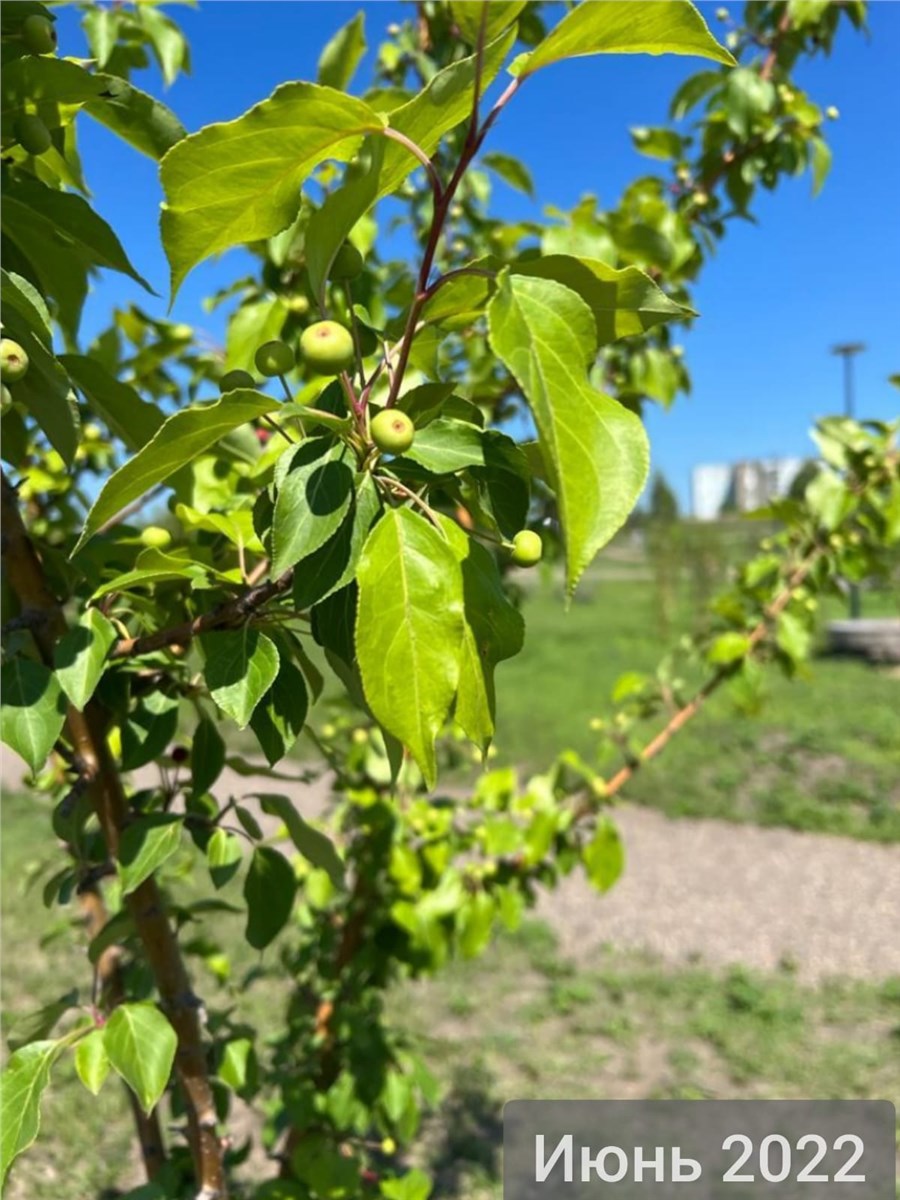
[(417, 151)]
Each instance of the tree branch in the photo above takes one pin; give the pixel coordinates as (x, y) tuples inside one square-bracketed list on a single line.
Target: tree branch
[(690, 710), (229, 615), (87, 732)]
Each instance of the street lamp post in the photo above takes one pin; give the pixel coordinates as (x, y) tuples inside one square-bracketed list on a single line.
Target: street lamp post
[(847, 351)]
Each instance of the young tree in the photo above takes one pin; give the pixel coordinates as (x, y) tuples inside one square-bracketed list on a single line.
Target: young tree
[(357, 526)]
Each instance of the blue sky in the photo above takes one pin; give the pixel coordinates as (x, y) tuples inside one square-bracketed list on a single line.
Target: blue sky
[(812, 272)]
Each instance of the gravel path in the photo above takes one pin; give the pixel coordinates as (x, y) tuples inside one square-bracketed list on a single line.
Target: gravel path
[(711, 891), (723, 893)]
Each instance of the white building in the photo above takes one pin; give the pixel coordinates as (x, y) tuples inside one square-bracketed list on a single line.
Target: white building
[(740, 487)]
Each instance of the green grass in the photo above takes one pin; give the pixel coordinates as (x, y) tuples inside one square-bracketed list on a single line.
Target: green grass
[(823, 754), (526, 1024)]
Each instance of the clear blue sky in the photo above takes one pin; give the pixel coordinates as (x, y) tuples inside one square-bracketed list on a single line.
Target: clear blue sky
[(812, 272)]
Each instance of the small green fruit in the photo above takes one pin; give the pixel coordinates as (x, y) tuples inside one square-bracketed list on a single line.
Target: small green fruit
[(236, 379), (392, 431), (347, 264), (13, 361), (832, 112), (32, 134), (5, 397), (155, 537), (274, 358), (298, 304), (327, 347), (527, 548), (38, 34)]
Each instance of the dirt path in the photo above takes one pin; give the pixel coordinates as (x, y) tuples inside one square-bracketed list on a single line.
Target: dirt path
[(711, 891)]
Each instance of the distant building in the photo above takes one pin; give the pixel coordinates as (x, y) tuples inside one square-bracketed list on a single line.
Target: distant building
[(718, 488)]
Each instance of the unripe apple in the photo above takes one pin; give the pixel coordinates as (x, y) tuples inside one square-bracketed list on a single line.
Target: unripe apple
[(5, 397), (392, 431), (347, 263), (274, 358), (298, 304), (527, 548), (236, 379), (832, 112), (38, 34), (155, 537), (13, 361), (327, 347), (32, 134)]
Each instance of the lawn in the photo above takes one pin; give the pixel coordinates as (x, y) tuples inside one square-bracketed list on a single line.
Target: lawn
[(521, 1022), (822, 754), (527, 1024)]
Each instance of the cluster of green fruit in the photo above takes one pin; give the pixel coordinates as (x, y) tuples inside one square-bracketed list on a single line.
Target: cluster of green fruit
[(13, 367), (39, 37)]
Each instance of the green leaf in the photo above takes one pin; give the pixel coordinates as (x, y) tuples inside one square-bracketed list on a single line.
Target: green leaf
[(52, 87), (236, 1057), (23, 1081), (625, 303), (92, 1061), (468, 16), (37, 1025), (140, 1044), (446, 445), (154, 566), (510, 170), (137, 117), (409, 630), (728, 648), (315, 847), (820, 157), (181, 439), (340, 58), (794, 638), (494, 631), (45, 389), (269, 891), (414, 1185), (224, 855), (330, 568), (33, 710), (657, 143), (439, 107), (604, 856), (748, 96), (312, 498), (621, 27), (128, 416), (168, 42), (280, 715), (241, 666), (42, 219), (148, 729), (251, 326), (829, 499), (239, 181), (207, 756), (545, 335), (24, 296), (80, 656), (146, 844), (330, 225)]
